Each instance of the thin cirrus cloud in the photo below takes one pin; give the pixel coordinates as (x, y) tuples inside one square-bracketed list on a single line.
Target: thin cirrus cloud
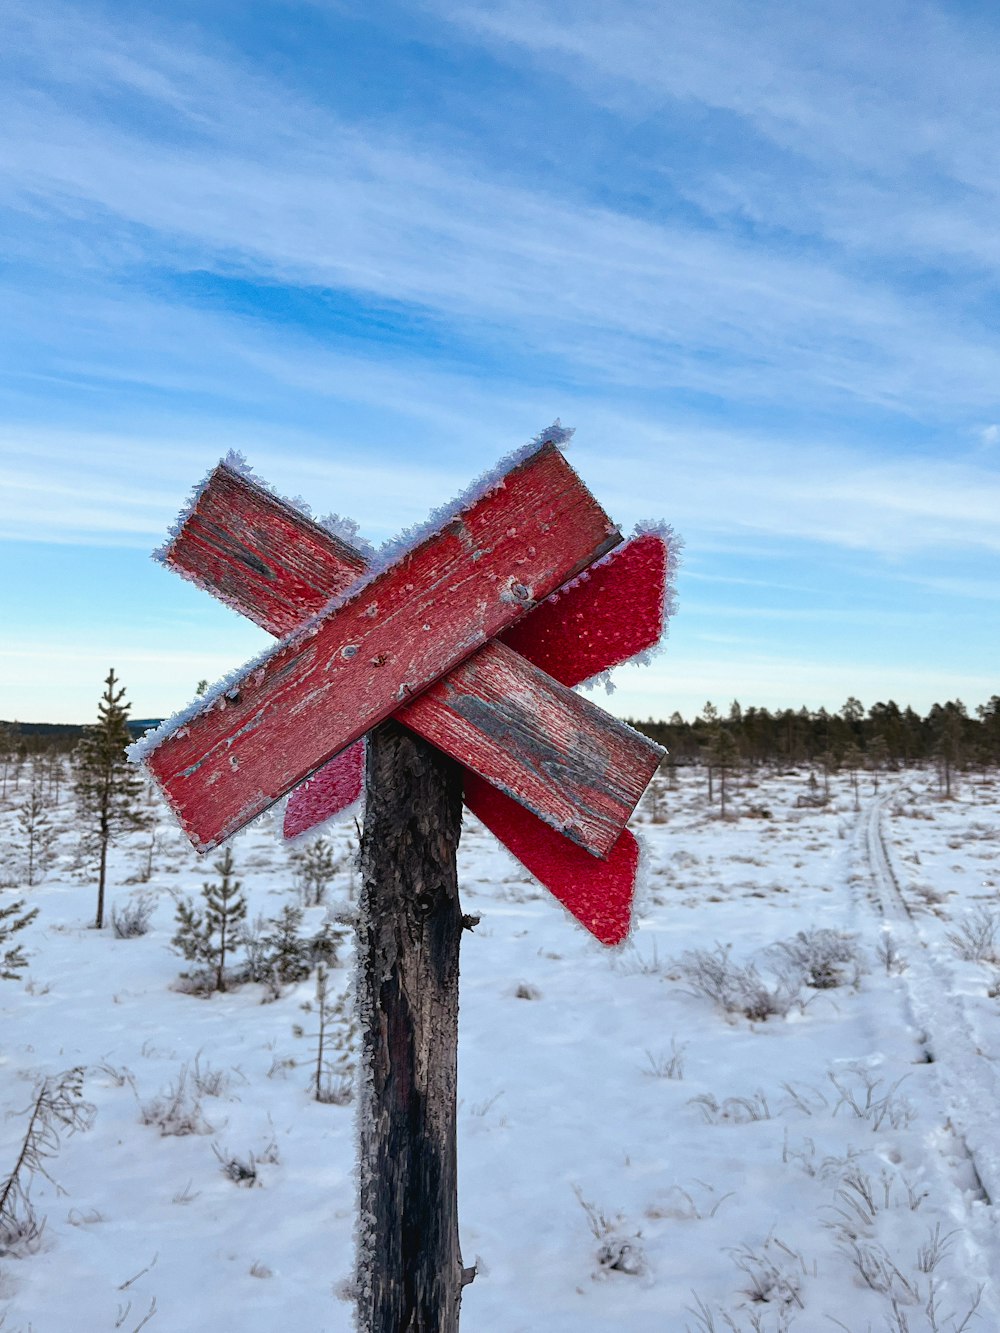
[(305, 198), (814, 491), (887, 103)]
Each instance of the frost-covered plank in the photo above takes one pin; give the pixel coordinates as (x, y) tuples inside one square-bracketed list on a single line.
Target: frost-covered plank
[(259, 555), (576, 767), (264, 558), (614, 612), (576, 633), (597, 891), (382, 645)]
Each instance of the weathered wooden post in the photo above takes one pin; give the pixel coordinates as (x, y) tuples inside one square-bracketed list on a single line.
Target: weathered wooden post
[(409, 1266), (470, 640)]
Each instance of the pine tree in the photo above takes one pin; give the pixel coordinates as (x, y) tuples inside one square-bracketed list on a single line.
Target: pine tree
[(336, 1032), (829, 763), (989, 716), (853, 760), (724, 753), (108, 788), (878, 756), (20, 759), (949, 748), (6, 758), (13, 919), (37, 832), (710, 719), (209, 937)]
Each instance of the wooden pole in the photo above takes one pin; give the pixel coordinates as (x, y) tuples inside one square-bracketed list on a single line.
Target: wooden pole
[(409, 1272)]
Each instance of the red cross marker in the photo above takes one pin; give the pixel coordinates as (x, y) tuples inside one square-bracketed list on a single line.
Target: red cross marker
[(267, 560)]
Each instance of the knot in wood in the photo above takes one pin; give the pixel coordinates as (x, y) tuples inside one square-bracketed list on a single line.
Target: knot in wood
[(519, 594), (425, 902)]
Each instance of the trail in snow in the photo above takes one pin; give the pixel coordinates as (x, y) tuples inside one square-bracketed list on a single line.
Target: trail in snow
[(967, 1079)]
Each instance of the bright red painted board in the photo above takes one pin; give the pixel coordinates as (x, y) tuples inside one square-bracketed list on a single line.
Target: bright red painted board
[(576, 633), (386, 643), (598, 893), (258, 554)]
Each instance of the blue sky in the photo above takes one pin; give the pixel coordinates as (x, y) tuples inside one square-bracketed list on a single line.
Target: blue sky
[(749, 251)]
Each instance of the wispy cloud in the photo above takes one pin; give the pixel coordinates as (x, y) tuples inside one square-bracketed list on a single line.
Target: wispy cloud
[(243, 174), (732, 485), (726, 490), (892, 107)]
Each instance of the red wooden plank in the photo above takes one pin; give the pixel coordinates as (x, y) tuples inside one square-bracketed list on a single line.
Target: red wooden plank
[(256, 553), (598, 892), (259, 555), (243, 544), (578, 768), (332, 788), (577, 632), (611, 613), (325, 687)]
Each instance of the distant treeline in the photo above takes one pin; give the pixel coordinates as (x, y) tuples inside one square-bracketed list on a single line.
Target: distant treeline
[(884, 735), (27, 738), (35, 737)]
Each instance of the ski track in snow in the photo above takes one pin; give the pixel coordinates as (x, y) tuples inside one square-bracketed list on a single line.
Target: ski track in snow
[(967, 1079)]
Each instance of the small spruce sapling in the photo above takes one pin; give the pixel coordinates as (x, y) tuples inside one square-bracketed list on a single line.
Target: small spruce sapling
[(209, 936), (108, 787), (287, 951), (326, 944), (316, 865), (336, 1040)]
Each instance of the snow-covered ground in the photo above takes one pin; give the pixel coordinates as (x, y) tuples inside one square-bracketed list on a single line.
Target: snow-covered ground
[(634, 1154)]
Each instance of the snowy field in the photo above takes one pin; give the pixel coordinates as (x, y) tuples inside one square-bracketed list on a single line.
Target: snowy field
[(703, 1131)]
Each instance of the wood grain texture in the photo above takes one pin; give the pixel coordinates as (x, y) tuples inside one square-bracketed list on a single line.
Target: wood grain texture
[(259, 555), (574, 766), (409, 1273), (577, 632), (387, 643)]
